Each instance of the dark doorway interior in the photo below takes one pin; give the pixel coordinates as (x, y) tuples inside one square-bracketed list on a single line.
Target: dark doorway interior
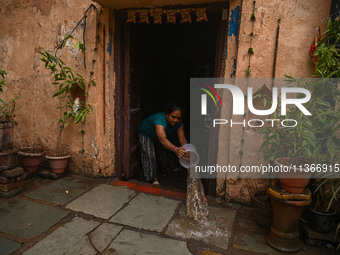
[(169, 55), (166, 57)]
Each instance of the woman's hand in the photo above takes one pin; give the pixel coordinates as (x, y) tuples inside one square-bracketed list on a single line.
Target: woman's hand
[(180, 151)]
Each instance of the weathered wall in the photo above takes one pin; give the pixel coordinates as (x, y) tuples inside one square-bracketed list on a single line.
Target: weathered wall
[(299, 20), (27, 25)]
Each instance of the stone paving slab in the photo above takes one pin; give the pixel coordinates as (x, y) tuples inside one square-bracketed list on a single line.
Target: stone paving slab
[(84, 247), (28, 219), (61, 191), (64, 239), (130, 242), (216, 230), (103, 235), (147, 212), (103, 201), (249, 236), (8, 246)]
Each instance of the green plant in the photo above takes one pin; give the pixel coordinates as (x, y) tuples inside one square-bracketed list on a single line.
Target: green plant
[(294, 142), (7, 108), (327, 190), (3, 81), (327, 53), (66, 80), (314, 136)]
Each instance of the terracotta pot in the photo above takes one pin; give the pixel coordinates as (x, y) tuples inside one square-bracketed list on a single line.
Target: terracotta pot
[(295, 180), (6, 136), (284, 234), (30, 158), (58, 163)]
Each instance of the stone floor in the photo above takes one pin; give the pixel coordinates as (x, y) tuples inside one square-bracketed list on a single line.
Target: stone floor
[(77, 215)]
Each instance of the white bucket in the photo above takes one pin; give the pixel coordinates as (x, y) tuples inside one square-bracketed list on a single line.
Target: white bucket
[(190, 157)]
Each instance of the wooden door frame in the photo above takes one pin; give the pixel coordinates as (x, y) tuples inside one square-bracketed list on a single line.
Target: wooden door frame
[(219, 71), (119, 92)]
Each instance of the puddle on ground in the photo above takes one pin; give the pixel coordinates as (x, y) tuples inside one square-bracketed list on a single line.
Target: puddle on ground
[(213, 229), (199, 229), (195, 221)]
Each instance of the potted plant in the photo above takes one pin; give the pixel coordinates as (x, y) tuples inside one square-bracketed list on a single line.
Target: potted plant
[(290, 146), (31, 157), (315, 136), (7, 114), (327, 193), (8, 154), (327, 185), (291, 149), (71, 108)]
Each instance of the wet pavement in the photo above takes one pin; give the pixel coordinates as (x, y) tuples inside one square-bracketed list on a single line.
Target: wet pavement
[(78, 215)]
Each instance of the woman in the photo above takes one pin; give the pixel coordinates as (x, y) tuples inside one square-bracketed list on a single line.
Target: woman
[(153, 132)]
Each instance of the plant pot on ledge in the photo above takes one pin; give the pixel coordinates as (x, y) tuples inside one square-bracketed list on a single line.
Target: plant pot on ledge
[(284, 234), (58, 163), (30, 158), (295, 180)]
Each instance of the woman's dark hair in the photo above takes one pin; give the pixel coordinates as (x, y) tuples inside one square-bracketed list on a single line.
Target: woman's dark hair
[(173, 106)]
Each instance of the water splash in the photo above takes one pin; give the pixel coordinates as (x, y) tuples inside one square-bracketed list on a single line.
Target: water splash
[(197, 205)]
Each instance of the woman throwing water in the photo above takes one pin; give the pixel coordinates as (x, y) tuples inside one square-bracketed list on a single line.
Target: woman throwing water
[(153, 133)]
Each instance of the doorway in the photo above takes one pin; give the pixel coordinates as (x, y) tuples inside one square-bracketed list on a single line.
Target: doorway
[(157, 62)]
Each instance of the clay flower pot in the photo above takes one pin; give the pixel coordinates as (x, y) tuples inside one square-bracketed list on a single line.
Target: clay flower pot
[(295, 180), (58, 163), (284, 234), (30, 158)]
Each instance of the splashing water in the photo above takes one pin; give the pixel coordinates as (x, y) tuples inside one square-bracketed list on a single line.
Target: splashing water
[(197, 205)]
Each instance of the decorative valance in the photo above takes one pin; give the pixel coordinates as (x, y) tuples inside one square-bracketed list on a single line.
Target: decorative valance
[(143, 16)]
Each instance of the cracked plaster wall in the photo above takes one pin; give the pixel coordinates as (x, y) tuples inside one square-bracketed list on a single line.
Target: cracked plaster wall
[(27, 25), (299, 20)]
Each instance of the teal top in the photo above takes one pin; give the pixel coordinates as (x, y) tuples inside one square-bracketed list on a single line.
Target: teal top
[(147, 127)]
